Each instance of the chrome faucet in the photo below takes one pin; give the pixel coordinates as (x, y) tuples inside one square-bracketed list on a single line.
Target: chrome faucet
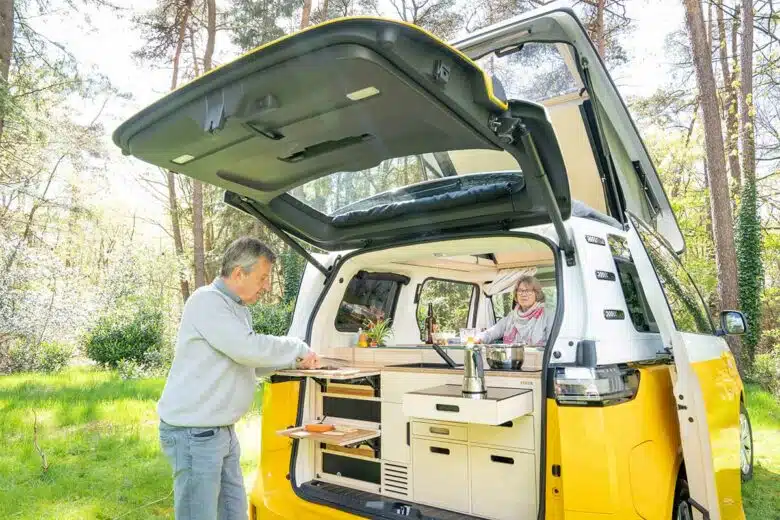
[(473, 370)]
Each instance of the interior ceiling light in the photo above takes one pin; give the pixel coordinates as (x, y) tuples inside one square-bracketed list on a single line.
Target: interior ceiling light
[(183, 159), (363, 93)]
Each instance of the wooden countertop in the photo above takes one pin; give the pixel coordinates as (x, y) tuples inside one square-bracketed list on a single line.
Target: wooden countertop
[(347, 372)]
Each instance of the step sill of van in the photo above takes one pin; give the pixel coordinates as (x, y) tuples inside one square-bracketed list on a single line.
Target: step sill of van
[(373, 505)]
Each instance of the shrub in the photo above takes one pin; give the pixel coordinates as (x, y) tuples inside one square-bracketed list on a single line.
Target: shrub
[(766, 371), (272, 319), (53, 357), (121, 336), (21, 356)]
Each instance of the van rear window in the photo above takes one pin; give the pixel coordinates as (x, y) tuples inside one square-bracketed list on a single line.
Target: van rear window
[(369, 297)]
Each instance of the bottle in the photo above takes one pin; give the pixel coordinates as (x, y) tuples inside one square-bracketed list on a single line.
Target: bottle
[(430, 323), (362, 338)]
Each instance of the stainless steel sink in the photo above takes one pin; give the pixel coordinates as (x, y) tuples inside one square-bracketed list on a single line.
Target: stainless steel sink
[(427, 365)]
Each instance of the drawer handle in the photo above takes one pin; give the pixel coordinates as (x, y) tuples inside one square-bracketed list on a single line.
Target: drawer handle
[(439, 431), (447, 408), (502, 460), (507, 424), (440, 451)]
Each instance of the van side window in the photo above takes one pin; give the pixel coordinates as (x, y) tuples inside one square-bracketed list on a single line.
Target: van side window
[(502, 304), (451, 301), (368, 297), (688, 309), (636, 301)]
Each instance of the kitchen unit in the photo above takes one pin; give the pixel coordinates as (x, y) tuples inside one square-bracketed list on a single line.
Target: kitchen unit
[(421, 442)]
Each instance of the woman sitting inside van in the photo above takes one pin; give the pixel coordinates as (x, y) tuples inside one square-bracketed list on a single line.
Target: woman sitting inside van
[(529, 322)]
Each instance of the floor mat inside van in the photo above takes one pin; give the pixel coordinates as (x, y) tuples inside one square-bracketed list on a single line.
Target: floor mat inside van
[(373, 505)]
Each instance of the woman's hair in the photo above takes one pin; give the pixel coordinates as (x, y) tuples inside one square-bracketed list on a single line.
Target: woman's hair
[(533, 283)]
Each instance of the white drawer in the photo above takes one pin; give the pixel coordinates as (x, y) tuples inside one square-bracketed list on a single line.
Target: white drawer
[(517, 433), (503, 484), (439, 430), (441, 474), (446, 403), (395, 384)]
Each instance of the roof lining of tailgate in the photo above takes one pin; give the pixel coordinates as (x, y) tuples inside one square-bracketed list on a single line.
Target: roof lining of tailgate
[(192, 86)]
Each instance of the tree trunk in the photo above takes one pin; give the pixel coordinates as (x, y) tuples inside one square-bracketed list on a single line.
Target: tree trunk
[(199, 255), (180, 43), (197, 187), (600, 34), (729, 101), (173, 208), (173, 205), (6, 52), (306, 14), (751, 275), (211, 34), (31, 217), (722, 222), (747, 114)]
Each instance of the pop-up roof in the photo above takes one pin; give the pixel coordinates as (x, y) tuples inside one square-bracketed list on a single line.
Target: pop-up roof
[(347, 96)]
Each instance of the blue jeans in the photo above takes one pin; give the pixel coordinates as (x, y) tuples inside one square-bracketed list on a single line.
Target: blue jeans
[(207, 480)]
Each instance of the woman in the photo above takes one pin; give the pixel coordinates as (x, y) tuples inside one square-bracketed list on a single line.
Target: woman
[(529, 322)]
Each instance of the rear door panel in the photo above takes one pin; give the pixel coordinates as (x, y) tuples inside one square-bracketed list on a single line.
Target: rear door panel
[(707, 388)]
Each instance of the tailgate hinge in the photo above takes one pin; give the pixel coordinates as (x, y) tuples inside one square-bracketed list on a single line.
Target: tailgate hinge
[(215, 118)]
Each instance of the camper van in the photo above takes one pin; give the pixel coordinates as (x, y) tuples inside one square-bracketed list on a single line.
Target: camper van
[(433, 188)]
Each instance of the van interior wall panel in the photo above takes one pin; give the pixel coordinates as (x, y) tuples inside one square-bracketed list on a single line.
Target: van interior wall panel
[(509, 252), (584, 181)]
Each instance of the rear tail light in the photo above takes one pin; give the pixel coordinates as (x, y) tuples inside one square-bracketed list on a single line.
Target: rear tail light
[(598, 386)]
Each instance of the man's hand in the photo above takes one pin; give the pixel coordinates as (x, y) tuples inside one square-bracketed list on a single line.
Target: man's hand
[(311, 360)]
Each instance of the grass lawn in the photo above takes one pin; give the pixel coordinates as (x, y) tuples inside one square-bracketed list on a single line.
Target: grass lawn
[(99, 434), (762, 494)]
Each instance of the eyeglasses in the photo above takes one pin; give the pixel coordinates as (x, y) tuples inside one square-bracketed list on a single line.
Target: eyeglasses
[(525, 291)]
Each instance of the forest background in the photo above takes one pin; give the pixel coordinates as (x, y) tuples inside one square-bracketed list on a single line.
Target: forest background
[(98, 252)]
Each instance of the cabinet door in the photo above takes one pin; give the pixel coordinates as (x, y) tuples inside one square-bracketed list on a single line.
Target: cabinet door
[(394, 433), (440, 472), (503, 484)]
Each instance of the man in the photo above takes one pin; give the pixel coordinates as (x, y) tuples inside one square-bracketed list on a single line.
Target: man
[(211, 384)]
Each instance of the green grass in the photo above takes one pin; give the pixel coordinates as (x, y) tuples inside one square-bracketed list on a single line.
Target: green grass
[(99, 434), (762, 494)]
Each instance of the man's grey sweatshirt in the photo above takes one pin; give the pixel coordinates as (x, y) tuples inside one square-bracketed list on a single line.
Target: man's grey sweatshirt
[(218, 356)]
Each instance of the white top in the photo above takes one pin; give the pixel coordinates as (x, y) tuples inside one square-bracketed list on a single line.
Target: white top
[(218, 356)]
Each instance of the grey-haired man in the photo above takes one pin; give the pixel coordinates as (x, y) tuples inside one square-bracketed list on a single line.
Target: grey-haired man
[(211, 384)]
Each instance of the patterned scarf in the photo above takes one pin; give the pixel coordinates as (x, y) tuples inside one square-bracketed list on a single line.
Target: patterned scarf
[(527, 327)]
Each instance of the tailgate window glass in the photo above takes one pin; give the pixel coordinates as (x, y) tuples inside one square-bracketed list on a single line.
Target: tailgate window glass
[(368, 297), (344, 192), (452, 302), (536, 71)]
